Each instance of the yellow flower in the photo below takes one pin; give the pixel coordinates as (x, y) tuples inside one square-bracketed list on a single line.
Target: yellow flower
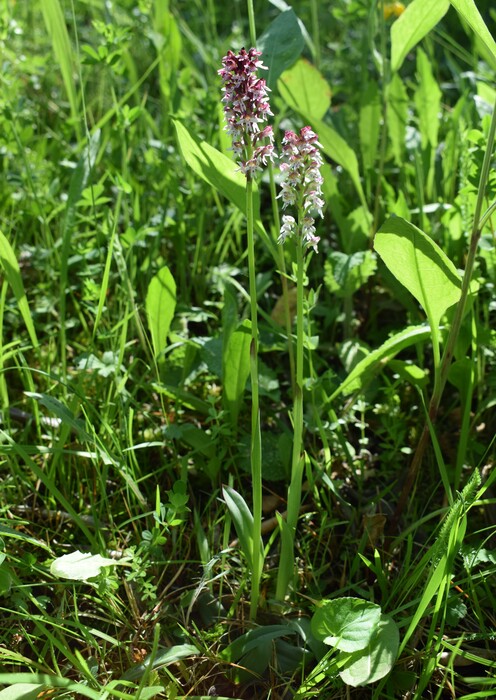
[(393, 9)]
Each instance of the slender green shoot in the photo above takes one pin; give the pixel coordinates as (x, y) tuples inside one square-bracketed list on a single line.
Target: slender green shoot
[(286, 564), (256, 439)]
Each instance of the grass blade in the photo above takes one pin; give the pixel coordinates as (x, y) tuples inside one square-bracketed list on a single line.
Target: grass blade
[(10, 266), (56, 27)]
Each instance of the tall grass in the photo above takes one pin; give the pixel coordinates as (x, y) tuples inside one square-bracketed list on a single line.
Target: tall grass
[(115, 444)]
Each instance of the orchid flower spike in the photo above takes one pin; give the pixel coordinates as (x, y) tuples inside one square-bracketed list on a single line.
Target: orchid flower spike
[(301, 186), (246, 107)]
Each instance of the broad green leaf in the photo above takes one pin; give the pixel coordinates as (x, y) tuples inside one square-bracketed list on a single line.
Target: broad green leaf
[(345, 274), (10, 266), (253, 651), (217, 169), (410, 372), (416, 21), (427, 101), (369, 123), (79, 566), (304, 89), (375, 360), (160, 307), (281, 45), (250, 640), (230, 315), (420, 265), (377, 659), (397, 99), (468, 10), (236, 368), (346, 623), (336, 148), (243, 522)]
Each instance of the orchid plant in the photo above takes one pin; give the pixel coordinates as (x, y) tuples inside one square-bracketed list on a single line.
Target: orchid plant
[(246, 109), (301, 189)]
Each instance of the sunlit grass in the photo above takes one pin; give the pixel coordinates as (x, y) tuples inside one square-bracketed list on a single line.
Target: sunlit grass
[(112, 445)]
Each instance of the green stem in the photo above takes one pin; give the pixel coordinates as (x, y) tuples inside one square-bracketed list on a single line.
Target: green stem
[(281, 263), (386, 77), (314, 8), (286, 565), (256, 439), (251, 21)]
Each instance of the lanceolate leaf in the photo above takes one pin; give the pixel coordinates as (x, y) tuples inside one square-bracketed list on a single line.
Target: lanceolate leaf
[(281, 46), (363, 371), (160, 307), (8, 262), (218, 170), (57, 29), (397, 116), (164, 657), (243, 522), (420, 265), (304, 89), (427, 101), (236, 368), (468, 10), (253, 651), (369, 124), (416, 21)]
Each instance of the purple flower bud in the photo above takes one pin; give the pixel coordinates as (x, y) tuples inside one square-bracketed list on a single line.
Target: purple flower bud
[(302, 184), (246, 106)]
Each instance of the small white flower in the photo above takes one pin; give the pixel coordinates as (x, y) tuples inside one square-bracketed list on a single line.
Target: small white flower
[(287, 229)]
